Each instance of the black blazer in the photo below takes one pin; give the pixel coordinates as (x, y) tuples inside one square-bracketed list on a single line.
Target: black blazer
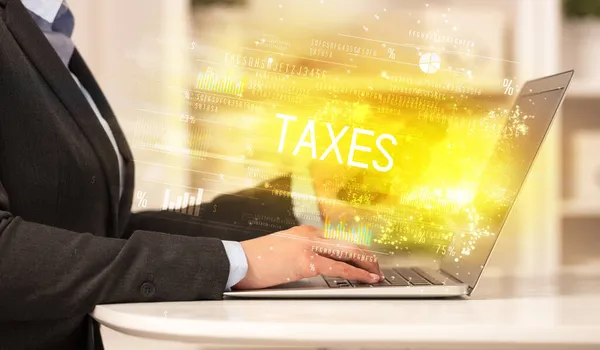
[(67, 243)]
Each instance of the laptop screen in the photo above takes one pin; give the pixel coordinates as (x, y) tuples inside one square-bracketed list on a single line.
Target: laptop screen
[(524, 128)]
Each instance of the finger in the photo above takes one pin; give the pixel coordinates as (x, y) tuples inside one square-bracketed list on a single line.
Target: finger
[(334, 268), (350, 253)]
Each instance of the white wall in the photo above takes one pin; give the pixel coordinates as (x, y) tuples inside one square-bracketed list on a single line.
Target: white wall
[(118, 40)]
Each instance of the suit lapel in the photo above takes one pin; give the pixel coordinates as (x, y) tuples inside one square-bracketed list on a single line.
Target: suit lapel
[(78, 66), (42, 55)]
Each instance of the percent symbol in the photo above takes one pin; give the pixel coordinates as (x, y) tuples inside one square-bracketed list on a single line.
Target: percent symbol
[(508, 84), (141, 197), (391, 53)]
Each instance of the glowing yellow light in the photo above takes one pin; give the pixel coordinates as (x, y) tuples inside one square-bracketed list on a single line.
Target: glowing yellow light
[(460, 196)]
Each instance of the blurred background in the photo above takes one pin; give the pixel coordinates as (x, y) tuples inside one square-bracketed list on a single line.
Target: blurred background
[(140, 50)]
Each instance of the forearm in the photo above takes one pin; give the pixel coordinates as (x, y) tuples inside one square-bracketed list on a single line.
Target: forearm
[(51, 273), (186, 225), (232, 217)]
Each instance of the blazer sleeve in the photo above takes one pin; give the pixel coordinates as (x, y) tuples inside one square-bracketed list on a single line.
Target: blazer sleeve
[(231, 217), (47, 273), (183, 225)]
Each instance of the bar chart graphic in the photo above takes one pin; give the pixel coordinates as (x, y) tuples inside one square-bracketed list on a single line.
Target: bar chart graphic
[(357, 234), (209, 81), (187, 203), (153, 133)]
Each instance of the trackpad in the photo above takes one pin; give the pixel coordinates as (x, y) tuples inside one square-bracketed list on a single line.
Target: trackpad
[(313, 282)]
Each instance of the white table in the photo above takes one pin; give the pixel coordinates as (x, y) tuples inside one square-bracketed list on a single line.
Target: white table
[(505, 314)]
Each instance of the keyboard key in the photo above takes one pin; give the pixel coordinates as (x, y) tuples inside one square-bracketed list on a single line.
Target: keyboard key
[(383, 283), (397, 281), (358, 284), (428, 277), (393, 278), (414, 278), (328, 278), (362, 285), (388, 272), (332, 284)]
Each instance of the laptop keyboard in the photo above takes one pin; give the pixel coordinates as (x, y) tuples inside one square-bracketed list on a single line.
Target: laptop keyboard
[(394, 277)]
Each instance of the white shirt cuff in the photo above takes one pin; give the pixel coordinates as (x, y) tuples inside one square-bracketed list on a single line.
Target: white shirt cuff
[(238, 264)]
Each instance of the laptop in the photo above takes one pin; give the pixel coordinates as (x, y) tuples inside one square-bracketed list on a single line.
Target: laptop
[(467, 255)]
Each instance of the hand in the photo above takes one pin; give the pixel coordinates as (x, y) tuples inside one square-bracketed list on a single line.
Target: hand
[(302, 252)]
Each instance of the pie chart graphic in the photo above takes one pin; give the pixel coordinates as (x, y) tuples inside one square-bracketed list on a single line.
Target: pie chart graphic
[(430, 63)]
